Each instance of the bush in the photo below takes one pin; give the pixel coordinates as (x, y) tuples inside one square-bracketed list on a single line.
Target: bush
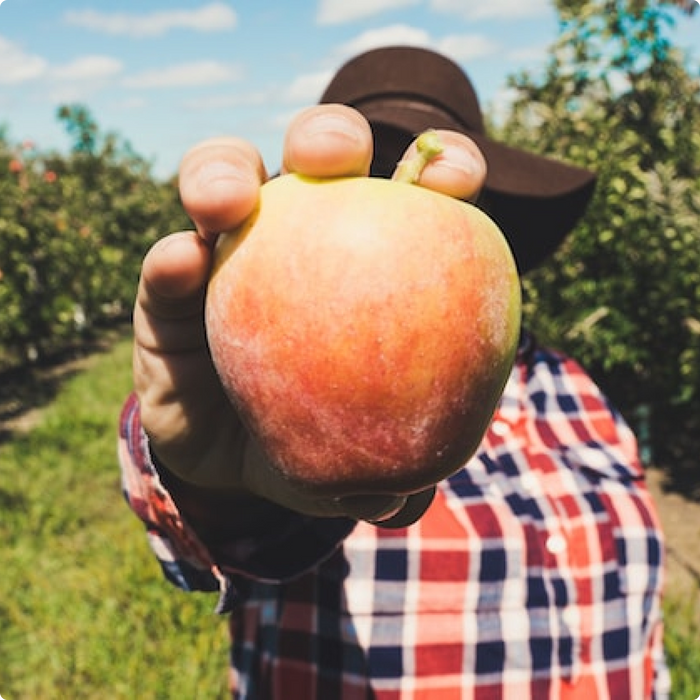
[(73, 231), (622, 294)]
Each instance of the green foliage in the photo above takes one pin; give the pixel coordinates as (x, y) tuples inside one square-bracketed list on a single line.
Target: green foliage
[(80, 126), (623, 293), (682, 632), (84, 610), (73, 232)]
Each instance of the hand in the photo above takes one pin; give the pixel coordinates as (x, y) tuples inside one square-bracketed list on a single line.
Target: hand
[(193, 429)]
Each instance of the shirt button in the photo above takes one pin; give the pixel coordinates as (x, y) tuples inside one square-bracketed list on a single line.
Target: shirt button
[(555, 544), (500, 428), (528, 481), (570, 617)]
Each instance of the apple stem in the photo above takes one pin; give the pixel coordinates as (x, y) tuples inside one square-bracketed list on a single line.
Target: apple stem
[(428, 146)]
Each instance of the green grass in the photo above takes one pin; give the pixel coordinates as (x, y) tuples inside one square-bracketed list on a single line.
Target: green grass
[(682, 642), (84, 609)]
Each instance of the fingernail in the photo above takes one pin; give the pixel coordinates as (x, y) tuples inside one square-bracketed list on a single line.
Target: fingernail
[(216, 171), (460, 159), (324, 124)]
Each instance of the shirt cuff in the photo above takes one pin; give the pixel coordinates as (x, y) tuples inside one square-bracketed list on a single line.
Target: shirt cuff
[(290, 551)]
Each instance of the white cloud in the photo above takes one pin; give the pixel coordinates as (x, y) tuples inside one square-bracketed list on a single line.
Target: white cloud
[(392, 35), (214, 17), (499, 106), (303, 90), (467, 47), (65, 93), (282, 120), (306, 89), (529, 54), (210, 103), (87, 68), (341, 11), (18, 66), (129, 104), (185, 75), (492, 9)]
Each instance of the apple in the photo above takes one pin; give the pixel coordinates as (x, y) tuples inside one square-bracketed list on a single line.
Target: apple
[(364, 329)]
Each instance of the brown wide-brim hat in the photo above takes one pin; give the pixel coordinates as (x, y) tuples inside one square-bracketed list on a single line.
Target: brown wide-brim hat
[(535, 200)]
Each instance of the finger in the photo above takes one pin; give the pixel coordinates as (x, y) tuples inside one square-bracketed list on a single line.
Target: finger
[(374, 508), (458, 171), (219, 183), (168, 318), (179, 391), (387, 511), (412, 510), (171, 292), (328, 141), (170, 351)]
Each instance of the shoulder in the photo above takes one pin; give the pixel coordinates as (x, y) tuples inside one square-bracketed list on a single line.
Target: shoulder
[(542, 369)]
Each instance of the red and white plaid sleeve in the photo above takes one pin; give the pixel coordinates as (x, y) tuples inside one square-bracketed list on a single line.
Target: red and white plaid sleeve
[(188, 561)]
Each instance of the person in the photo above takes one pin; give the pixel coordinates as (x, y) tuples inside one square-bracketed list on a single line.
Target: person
[(535, 571)]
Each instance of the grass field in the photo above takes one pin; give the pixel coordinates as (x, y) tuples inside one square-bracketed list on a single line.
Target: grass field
[(84, 610)]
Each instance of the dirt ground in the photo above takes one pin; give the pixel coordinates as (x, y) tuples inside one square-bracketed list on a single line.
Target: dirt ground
[(680, 519)]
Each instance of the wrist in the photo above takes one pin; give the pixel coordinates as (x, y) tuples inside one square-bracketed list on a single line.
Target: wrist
[(218, 513)]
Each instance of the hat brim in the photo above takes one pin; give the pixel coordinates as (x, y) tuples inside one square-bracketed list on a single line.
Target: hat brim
[(520, 188)]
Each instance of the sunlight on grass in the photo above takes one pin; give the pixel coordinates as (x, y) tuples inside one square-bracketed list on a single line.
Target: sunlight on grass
[(84, 610)]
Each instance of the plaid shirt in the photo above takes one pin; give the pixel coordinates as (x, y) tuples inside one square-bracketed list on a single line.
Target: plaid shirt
[(536, 572)]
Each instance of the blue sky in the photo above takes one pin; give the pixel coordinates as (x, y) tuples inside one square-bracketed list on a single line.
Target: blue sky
[(167, 74)]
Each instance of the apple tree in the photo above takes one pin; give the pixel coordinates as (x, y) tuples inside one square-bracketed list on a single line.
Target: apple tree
[(73, 230), (622, 294)]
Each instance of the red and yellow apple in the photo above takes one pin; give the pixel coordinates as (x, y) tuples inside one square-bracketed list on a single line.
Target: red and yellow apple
[(364, 329)]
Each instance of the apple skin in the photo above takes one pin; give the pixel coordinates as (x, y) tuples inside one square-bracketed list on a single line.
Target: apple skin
[(364, 329)]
